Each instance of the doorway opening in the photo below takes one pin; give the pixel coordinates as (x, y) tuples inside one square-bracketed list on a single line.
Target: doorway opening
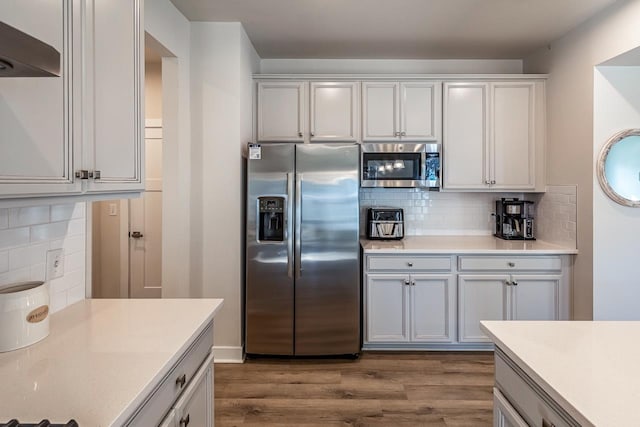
[(126, 234)]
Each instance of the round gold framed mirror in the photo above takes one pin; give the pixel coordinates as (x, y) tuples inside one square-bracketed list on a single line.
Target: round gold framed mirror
[(618, 168)]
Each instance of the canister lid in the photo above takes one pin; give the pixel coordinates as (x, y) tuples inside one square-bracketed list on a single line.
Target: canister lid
[(20, 287)]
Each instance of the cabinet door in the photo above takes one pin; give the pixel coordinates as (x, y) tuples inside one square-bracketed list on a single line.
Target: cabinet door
[(504, 415), (465, 136), (281, 111), (38, 130), (334, 111), (380, 111), (195, 406), (420, 111), (480, 297), (512, 135), (114, 106), (386, 308), (432, 308), (535, 297)]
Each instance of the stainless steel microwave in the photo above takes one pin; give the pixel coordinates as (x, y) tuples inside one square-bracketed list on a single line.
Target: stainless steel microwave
[(400, 165)]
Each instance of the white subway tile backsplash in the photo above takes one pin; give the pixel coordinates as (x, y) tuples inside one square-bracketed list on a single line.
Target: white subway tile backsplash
[(55, 230), (14, 237), (75, 294), (28, 255), (436, 213), (4, 261), (26, 234), (69, 244), (68, 211), (74, 261), (20, 217), (556, 215), (4, 218)]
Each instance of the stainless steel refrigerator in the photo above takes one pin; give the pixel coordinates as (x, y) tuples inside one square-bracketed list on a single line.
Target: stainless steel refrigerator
[(302, 294)]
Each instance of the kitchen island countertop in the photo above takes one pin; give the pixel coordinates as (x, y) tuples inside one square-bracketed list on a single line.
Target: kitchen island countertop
[(101, 359), (489, 245), (590, 368)]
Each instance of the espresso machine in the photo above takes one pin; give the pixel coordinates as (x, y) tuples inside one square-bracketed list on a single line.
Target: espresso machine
[(514, 219)]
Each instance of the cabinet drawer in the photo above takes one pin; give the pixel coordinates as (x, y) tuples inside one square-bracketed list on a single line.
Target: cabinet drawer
[(408, 263), (506, 263), (162, 399), (531, 402)]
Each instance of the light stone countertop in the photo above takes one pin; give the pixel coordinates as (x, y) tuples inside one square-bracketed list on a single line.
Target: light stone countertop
[(489, 245), (100, 360), (591, 369)]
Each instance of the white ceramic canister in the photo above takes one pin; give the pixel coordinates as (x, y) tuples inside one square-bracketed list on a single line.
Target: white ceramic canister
[(24, 314)]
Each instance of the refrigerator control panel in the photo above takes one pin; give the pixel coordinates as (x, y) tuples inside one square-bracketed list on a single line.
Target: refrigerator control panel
[(271, 219)]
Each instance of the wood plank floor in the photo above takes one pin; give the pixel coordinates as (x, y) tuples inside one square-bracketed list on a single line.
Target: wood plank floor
[(392, 389)]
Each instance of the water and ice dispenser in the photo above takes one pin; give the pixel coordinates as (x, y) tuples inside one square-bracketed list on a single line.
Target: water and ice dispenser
[(271, 224)]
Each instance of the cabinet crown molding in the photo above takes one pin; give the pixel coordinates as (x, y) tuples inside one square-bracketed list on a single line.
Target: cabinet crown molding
[(403, 77)]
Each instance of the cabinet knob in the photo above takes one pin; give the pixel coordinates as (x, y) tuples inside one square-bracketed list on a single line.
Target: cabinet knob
[(184, 421), (96, 174), (300, 134), (313, 134), (410, 264), (413, 283), (406, 282), (508, 283), (487, 182), (397, 133), (511, 264), (181, 380), (493, 181), (403, 133), (514, 283)]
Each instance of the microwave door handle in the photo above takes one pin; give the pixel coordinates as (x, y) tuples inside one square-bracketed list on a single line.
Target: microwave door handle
[(288, 224), (423, 167)]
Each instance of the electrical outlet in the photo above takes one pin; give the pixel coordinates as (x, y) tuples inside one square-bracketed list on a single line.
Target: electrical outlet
[(113, 209), (55, 264)]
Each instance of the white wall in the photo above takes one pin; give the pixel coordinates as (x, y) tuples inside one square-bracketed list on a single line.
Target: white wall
[(223, 61), (172, 30), (391, 66), (616, 232), (570, 62)]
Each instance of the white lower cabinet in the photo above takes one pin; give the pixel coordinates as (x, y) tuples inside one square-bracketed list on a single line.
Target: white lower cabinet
[(424, 302), (409, 308), (185, 396), (195, 406), (409, 300), (519, 401), (504, 415)]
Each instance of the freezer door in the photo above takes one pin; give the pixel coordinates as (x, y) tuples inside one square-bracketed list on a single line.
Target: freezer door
[(269, 276), (327, 268)]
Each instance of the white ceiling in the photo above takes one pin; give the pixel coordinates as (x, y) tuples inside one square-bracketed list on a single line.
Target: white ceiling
[(394, 29)]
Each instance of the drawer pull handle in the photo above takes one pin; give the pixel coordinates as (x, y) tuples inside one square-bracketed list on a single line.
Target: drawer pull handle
[(184, 421), (511, 264), (410, 264), (514, 283), (546, 423), (181, 380)]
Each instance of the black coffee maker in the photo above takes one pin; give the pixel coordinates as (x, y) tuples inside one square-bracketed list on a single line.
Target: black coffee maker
[(514, 219)]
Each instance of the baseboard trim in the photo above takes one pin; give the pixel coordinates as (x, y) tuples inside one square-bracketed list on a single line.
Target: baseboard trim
[(227, 354)]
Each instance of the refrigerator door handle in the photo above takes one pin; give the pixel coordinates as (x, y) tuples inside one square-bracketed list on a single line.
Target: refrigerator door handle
[(287, 225), (298, 225)]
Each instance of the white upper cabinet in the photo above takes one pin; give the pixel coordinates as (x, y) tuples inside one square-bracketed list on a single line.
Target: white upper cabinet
[(409, 111), (334, 111), (81, 132), (465, 136), (38, 131), (113, 110), (297, 111), (493, 137), (281, 111)]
